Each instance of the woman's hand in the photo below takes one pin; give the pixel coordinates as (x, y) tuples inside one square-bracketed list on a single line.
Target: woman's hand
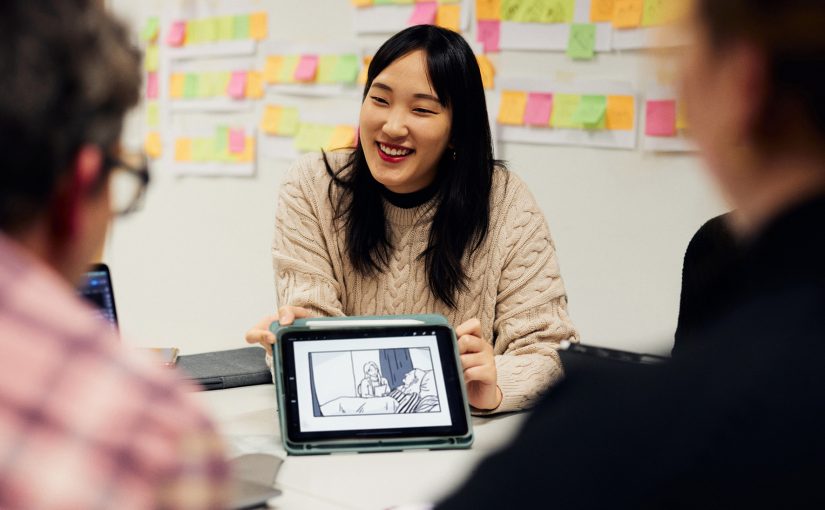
[(286, 315), (479, 365)]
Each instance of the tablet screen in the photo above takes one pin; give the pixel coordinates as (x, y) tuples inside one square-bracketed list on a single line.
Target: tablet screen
[(373, 383)]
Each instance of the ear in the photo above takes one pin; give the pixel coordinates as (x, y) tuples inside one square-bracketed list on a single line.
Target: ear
[(747, 88), (71, 195)]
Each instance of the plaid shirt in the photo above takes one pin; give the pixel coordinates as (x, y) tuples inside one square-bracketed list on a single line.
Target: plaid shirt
[(83, 425)]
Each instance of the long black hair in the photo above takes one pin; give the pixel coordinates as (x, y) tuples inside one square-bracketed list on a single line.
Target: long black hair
[(464, 175)]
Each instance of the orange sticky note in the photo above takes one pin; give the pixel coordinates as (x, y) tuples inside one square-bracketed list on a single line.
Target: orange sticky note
[(601, 10), (258, 23), (488, 9), (513, 105), (681, 117), (343, 137), (271, 119), (488, 72), (254, 85), (362, 3), (176, 83), (449, 17), (362, 75), (248, 154), (621, 113), (152, 145), (183, 150), (627, 13), (273, 68)]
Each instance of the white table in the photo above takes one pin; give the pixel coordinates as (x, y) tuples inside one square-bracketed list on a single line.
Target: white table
[(248, 420)]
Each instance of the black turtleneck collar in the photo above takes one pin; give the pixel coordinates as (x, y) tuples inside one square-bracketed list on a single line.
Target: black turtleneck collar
[(410, 200)]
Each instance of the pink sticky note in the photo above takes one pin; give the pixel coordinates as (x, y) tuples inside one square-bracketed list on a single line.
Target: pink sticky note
[(306, 68), (152, 85), (538, 109), (177, 33), (661, 118), (424, 14), (237, 141), (237, 85), (489, 32)]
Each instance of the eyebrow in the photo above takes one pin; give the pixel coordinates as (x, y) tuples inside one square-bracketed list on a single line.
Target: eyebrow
[(378, 84)]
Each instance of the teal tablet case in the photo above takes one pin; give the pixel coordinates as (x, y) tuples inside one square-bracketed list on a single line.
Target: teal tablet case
[(366, 445)]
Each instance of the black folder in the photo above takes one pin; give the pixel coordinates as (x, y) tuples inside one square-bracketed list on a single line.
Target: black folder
[(226, 369)]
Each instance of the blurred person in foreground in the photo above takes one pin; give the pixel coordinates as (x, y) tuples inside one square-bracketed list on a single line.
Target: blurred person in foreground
[(738, 421), (82, 424)]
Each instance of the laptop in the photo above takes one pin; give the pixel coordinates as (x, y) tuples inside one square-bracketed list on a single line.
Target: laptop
[(96, 288)]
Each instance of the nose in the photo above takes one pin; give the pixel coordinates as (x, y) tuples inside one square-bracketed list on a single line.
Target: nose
[(395, 125)]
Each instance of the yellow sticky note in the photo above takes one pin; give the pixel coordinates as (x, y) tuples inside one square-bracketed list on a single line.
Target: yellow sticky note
[(511, 110), (183, 150), (621, 113), (361, 3), (627, 13), (258, 23), (488, 9), (287, 72), (488, 72), (362, 75), (449, 17), (151, 58), (271, 119), (343, 137), (272, 69), (248, 153), (288, 123), (176, 84), (681, 117), (601, 10), (254, 85), (564, 109), (152, 145), (152, 115)]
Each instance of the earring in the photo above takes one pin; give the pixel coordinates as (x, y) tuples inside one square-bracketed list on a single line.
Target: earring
[(455, 155)]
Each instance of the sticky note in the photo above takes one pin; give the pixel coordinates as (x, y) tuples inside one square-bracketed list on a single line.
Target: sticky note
[(258, 25), (248, 153), (449, 17), (287, 71), (489, 34), (601, 10), (662, 12), (177, 34), (538, 11), (254, 85), (221, 83), (661, 118), (288, 122), (342, 137), (241, 26), (346, 69), (382, 2), (204, 85), (590, 112), (488, 10), (423, 14), (190, 86), (621, 113), (272, 68), (150, 29), (582, 42), (313, 137), (271, 119), (511, 110), (237, 85), (152, 115), (202, 149), (221, 142), (183, 150), (193, 31), (152, 85), (237, 140), (488, 72), (209, 30), (627, 13), (176, 85), (151, 58), (564, 107), (538, 109), (362, 75), (306, 68), (361, 3), (226, 28), (681, 116), (152, 145), (326, 68)]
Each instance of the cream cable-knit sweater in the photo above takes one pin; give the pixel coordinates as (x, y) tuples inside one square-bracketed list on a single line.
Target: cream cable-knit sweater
[(515, 288)]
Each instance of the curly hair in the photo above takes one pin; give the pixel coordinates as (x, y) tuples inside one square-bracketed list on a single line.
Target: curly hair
[(68, 75)]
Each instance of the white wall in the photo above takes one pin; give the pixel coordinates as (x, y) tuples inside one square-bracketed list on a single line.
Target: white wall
[(193, 268)]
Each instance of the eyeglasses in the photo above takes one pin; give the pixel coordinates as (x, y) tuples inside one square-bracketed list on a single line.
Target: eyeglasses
[(128, 182)]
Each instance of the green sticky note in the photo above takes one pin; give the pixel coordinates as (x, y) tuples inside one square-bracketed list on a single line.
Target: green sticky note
[(221, 140), (202, 149), (150, 29), (152, 115), (312, 137), (193, 31), (209, 30), (538, 11), (151, 58), (288, 125), (226, 28), (382, 2), (403, 2), (241, 26), (326, 68), (204, 85), (655, 13), (590, 112), (564, 107), (190, 86), (346, 69), (287, 71), (582, 42)]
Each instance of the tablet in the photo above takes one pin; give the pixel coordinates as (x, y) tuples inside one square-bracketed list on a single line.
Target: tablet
[(370, 384)]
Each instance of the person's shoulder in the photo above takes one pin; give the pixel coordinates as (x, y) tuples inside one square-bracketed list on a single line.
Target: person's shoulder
[(314, 168), (510, 194)]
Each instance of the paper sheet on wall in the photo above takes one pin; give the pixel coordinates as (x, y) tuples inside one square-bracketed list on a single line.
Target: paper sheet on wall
[(664, 129), (214, 151), (388, 19)]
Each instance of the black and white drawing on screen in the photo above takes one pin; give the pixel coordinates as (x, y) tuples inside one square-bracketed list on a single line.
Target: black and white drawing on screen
[(375, 381)]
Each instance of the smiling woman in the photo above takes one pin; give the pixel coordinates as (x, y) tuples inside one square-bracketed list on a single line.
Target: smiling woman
[(420, 218)]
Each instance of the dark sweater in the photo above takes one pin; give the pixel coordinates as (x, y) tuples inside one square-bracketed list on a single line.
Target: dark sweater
[(739, 423)]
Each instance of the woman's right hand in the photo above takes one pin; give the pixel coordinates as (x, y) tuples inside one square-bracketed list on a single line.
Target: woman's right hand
[(286, 315)]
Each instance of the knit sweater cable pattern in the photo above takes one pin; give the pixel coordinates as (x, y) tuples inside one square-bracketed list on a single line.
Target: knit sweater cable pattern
[(514, 285)]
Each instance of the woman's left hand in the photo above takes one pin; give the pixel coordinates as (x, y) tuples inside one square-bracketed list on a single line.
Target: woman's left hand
[(479, 365)]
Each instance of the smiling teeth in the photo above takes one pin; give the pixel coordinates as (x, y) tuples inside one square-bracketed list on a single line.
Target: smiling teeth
[(392, 151)]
